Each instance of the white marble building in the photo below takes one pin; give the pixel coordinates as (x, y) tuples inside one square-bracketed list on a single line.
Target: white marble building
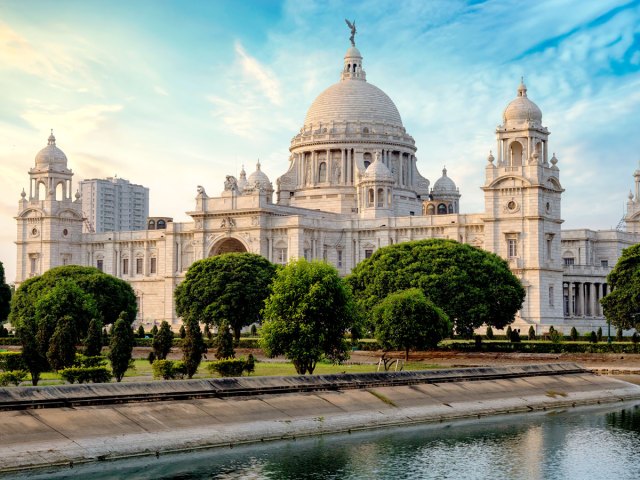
[(352, 187)]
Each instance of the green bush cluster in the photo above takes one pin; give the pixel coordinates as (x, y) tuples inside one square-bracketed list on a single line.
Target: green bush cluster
[(233, 367), (11, 361), (12, 377), (86, 374), (168, 369)]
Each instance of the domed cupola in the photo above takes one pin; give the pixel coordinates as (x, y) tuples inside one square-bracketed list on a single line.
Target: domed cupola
[(444, 197), (378, 171), (444, 184), (51, 156), (522, 110), (258, 182)]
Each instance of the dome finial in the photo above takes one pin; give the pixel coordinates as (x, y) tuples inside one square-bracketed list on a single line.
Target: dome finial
[(522, 88), (490, 158), (52, 139), (258, 165), (444, 171)]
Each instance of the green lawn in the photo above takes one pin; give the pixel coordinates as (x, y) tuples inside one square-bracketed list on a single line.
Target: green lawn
[(141, 370)]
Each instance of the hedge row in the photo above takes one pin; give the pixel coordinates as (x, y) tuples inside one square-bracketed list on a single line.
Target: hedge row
[(541, 347), (86, 374), (14, 377), (10, 361)]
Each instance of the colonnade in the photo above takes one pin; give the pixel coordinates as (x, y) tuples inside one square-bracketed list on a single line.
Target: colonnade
[(342, 170), (582, 299)]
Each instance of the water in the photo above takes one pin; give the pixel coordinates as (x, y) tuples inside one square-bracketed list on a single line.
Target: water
[(594, 443)]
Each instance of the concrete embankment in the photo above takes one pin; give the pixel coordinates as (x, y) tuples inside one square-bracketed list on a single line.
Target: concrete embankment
[(75, 423)]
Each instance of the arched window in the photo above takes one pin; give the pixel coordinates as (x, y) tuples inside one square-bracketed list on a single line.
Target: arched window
[(451, 208), (370, 198), (365, 130), (161, 225), (367, 160), (152, 224), (516, 154), (442, 209), (42, 191), (380, 203), (388, 197), (431, 209), (322, 172), (59, 191)]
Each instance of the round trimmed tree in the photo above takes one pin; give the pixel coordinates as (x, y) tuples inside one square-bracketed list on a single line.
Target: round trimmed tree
[(407, 320), (308, 314), (622, 305), (472, 286), (227, 289)]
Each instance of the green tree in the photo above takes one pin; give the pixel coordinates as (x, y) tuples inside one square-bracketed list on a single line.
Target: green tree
[(110, 294), (93, 340), (62, 346), (532, 333), (307, 315), (407, 320), (472, 286), (121, 346), (622, 305), (224, 343), (599, 334), (574, 334), (141, 333), (154, 331), (489, 332), (5, 296), (182, 332), (508, 333), (225, 289), (192, 347), (162, 341), (32, 352)]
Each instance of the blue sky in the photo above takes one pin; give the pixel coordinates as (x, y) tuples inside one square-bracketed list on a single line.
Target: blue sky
[(175, 94)]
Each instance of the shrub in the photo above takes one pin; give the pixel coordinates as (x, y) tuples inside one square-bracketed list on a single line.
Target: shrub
[(13, 377), (141, 332), (254, 330), (86, 374), (574, 334), (232, 367), (11, 361), (635, 338), (89, 362), (489, 333), (555, 336), (532, 333), (599, 334), (515, 336), (478, 341), (93, 341), (183, 331), (151, 357), (168, 369), (593, 338), (508, 332)]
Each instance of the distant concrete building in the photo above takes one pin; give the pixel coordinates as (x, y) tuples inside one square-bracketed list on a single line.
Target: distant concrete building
[(114, 204)]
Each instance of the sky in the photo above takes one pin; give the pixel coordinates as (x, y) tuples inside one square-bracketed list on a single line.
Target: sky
[(172, 94)]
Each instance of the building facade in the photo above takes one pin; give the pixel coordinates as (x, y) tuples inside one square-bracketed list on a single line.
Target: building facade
[(113, 204), (352, 186)]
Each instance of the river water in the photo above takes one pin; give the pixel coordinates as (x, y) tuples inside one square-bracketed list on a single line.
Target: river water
[(583, 443)]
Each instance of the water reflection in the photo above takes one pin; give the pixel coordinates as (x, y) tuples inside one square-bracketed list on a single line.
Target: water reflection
[(581, 443)]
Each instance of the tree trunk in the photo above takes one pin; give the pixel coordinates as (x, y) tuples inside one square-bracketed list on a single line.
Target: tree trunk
[(406, 355)]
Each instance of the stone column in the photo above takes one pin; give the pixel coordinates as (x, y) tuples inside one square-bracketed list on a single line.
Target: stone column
[(343, 163), (400, 160)]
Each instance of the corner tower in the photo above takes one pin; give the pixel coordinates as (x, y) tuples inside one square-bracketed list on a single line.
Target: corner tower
[(49, 219), (522, 193)]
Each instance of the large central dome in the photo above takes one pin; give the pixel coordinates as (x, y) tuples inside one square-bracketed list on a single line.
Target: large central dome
[(352, 99)]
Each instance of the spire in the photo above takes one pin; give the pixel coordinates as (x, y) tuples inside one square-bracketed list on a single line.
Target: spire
[(352, 69), (444, 171), (522, 88), (258, 166), (52, 139)]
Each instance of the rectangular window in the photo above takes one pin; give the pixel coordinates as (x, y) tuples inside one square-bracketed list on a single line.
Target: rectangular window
[(100, 265), (139, 266), (569, 261), (551, 296), (152, 265), (307, 254), (604, 263), (368, 253), (125, 266), (549, 245), (339, 258), (324, 254), (33, 264), (512, 247)]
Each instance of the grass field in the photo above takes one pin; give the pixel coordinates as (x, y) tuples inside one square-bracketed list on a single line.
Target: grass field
[(141, 370)]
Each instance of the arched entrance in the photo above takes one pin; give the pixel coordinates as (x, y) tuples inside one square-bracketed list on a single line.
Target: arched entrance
[(228, 245)]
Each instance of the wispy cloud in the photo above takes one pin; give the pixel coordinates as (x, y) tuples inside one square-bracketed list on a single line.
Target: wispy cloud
[(78, 121)]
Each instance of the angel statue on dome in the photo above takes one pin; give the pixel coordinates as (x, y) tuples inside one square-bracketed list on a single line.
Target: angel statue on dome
[(352, 26)]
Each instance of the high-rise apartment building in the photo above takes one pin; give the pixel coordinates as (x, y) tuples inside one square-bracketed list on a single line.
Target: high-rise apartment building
[(114, 204)]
